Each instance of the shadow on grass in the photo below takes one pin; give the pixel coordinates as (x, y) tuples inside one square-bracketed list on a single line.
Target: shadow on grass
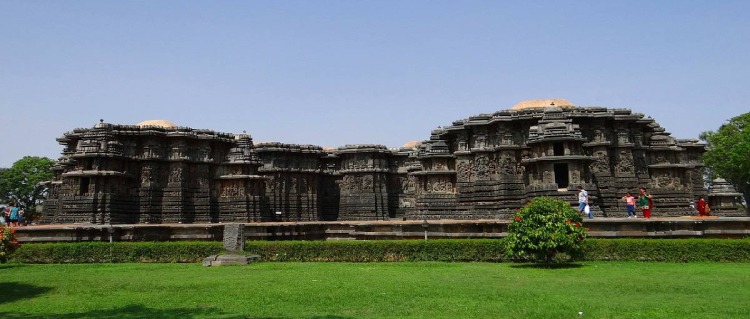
[(9, 266), (139, 311), (13, 291), (547, 266)]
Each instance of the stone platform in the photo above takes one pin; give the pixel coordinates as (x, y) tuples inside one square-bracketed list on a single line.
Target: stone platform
[(229, 260), (662, 227)]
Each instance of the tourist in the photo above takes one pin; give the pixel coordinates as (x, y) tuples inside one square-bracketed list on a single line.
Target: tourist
[(21, 217), (630, 205), (701, 206), (6, 212), (13, 217), (2, 215), (583, 201), (645, 202)]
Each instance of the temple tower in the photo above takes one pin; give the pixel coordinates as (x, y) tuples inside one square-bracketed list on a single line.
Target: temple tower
[(364, 182)]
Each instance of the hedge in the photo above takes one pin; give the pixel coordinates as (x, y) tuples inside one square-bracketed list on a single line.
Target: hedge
[(119, 252), (380, 250), (463, 250), (672, 250)]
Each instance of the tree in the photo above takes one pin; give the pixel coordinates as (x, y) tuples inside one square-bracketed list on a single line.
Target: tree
[(728, 153), (20, 183), (545, 230)]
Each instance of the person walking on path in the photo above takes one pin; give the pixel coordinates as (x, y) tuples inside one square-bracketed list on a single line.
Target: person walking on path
[(645, 203), (583, 201), (630, 205)]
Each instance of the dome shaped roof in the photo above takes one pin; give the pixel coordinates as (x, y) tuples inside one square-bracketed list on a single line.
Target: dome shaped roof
[(528, 104), (412, 144), (162, 123)]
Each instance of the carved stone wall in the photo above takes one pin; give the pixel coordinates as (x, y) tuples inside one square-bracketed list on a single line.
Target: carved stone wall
[(485, 166)]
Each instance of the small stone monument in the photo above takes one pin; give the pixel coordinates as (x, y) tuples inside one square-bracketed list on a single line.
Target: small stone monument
[(234, 244), (234, 238)]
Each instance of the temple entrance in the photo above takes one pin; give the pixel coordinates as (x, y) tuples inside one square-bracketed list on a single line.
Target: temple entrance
[(561, 175), (83, 188), (558, 149)]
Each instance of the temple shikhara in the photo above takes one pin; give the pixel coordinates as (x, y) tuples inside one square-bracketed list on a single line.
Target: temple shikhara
[(482, 167)]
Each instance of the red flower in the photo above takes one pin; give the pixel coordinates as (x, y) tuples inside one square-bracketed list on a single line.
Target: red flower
[(518, 218), (568, 221), (578, 224)]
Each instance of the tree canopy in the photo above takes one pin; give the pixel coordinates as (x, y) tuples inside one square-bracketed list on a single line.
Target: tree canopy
[(20, 182), (728, 152)]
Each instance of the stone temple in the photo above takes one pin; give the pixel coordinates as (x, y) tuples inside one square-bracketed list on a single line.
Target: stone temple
[(482, 167)]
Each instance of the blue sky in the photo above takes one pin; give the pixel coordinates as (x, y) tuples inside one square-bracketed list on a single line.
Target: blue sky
[(332, 73)]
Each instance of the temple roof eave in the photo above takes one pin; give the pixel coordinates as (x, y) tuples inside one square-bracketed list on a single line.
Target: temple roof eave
[(240, 176), (585, 158), (87, 173)]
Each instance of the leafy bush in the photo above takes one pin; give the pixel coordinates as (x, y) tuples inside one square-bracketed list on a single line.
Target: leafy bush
[(546, 230), (8, 242)]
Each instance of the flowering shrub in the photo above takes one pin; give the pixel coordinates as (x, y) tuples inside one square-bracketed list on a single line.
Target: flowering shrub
[(546, 230), (8, 243)]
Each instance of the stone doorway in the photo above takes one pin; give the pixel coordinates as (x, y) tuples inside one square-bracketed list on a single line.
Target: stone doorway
[(561, 175)]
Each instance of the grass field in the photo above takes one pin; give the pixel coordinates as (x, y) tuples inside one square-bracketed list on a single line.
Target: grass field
[(376, 290)]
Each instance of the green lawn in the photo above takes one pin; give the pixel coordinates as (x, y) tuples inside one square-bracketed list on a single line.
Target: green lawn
[(376, 290)]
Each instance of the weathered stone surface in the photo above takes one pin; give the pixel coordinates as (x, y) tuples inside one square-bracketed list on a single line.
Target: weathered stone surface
[(485, 166), (229, 260), (234, 237)]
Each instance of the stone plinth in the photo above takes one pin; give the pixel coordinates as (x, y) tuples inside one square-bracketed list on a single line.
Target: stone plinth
[(229, 260)]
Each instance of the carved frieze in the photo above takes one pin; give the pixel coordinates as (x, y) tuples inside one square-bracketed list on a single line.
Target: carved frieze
[(508, 165), (601, 164), (232, 189), (175, 175), (666, 181), (625, 163), (440, 185), (575, 177), (146, 175), (464, 170)]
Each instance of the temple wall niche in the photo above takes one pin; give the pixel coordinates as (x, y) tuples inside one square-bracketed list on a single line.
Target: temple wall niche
[(485, 166)]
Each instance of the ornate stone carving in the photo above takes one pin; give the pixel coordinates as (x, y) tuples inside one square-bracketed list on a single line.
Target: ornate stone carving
[(464, 171), (175, 176), (575, 177), (602, 162), (482, 167), (508, 166), (367, 182), (442, 186), (548, 178), (625, 164), (146, 177)]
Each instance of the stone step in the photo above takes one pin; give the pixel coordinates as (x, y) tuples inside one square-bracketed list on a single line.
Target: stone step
[(226, 260)]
